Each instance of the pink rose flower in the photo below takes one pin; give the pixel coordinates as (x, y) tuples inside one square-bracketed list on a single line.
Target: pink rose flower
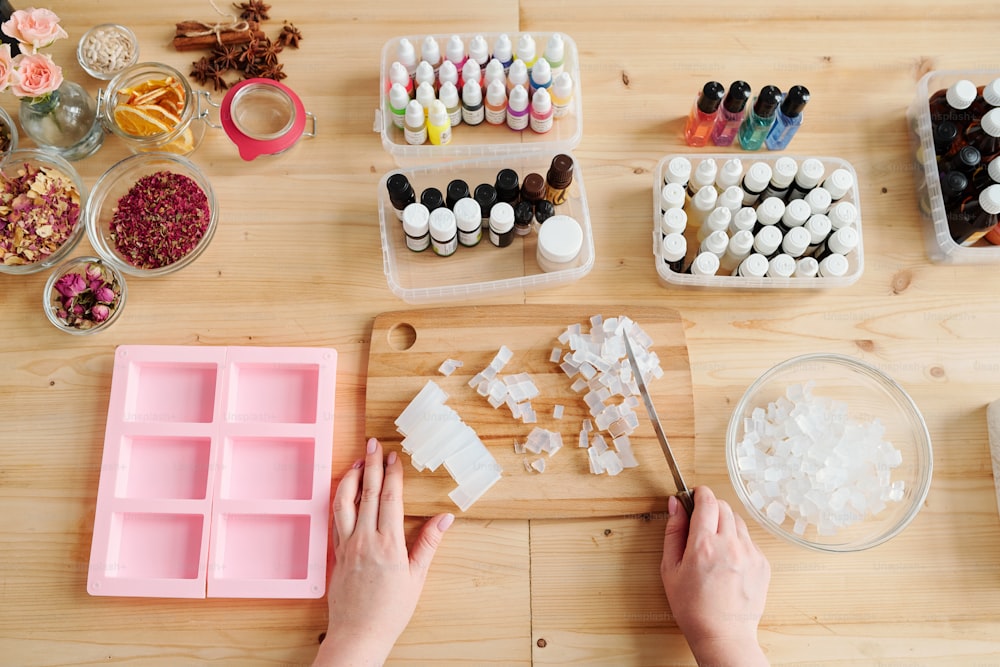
[(70, 285), (100, 312), (36, 75), (6, 67), (33, 28), (94, 272), (104, 294)]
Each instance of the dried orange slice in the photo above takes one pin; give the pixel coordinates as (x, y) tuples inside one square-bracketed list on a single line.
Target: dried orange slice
[(151, 107), (139, 123)]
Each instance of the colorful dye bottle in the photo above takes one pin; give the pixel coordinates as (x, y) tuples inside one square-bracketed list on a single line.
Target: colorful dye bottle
[(759, 119), (727, 124), (703, 114), (788, 119)]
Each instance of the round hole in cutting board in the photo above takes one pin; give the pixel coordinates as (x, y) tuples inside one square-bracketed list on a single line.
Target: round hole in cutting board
[(402, 337)]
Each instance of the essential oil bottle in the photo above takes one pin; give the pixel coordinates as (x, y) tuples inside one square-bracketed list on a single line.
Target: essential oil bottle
[(953, 104), (759, 119), (727, 124), (701, 120), (975, 216), (788, 119)]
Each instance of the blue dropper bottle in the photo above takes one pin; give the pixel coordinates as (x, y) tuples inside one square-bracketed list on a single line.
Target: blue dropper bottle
[(788, 119)]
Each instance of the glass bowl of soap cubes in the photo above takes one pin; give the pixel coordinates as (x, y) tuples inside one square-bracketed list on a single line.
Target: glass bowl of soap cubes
[(829, 453)]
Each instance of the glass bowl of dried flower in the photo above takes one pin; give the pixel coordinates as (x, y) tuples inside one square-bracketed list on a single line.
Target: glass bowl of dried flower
[(41, 209), (83, 296), (151, 214)]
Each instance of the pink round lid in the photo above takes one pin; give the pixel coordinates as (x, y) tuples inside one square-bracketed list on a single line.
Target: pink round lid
[(262, 117)]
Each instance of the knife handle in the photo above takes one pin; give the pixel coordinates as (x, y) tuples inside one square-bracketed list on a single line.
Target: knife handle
[(687, 500)]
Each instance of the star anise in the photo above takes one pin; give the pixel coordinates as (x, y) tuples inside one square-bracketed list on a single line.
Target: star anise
[(200, 70), (253, 10), (226, 55), (268, 51), (216, 76), (250, 52), (289, 36), (274, 71)]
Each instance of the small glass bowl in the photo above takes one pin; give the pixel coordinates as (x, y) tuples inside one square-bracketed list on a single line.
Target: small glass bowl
[(52, 298), (122, 35), (8, 135), (868, 394), (14, 162), (116, 182)]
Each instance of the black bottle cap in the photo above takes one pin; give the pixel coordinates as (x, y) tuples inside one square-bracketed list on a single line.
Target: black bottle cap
[(737, 97), (457, 189), (432, 198), (795, 101), (711, 97), (508, 186), (945, 133), (544, 209), (486, 197), (967, 158), (400, 191), (767, 102), (523, 213), (953, 184)]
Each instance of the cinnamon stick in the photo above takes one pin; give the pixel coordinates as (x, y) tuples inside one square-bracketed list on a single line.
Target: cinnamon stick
[(184, 42)]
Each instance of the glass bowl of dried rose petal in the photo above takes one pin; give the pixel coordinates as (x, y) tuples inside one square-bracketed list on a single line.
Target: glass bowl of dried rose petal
[(84, 295), (41, 211), (151, 214)]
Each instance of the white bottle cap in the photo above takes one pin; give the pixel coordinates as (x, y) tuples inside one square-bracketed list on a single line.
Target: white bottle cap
[(406, 54), (468, 214), (437, 114), (541, 102), (810, 174), (993, 171), (494, 71), (398, 74), (425, 95), (502, 217), (806, 267), (525, 48), (472, 94), (784, 172), (704, 173), (479, 50), (754, 266), (416, 217), (399, 98), (454, 50), (758, 177), (562, 87), (673, 247), (843, 214), (819, 227), (732, 198), (673, 221), (991, 122), (471, 71), (555, 49), (705, 264), (843, 240), (672, 196), (425, 73), (818, 199), (770, 210), (430, 50), (705, 198), (781, 266), (448, 72), (719, 219), (730, 173), (560, 239), (796, 240), (838, 183), (715, 243), (503, 50), (518, 74), (991, 93), (414, 114), (449, 94), (678, 169), (796, 213), (833, 266), (541, 73), (496, 94), (767, 240), (989, 199), (741, 243), (961, 94), (518, 98), (442, 224), (743, 220)]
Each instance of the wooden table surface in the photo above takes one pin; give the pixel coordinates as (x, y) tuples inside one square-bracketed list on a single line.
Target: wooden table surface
[(297, 261)]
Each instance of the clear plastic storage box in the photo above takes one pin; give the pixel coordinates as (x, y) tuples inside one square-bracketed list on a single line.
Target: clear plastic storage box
[(940, 245), (483, 270), (483, 139), (667, 276)]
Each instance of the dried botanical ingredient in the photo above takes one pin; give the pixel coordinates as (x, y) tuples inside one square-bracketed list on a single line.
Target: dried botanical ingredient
[(4, 137), (39, 210), (290, 35), (161, 219), (107, 50), (254, 10), (83, 300), (154, 107)]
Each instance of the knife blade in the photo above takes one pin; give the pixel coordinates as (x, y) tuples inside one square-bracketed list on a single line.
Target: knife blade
[(683, 492)]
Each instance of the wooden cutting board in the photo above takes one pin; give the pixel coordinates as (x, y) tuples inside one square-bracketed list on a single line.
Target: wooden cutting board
[(407, 347)]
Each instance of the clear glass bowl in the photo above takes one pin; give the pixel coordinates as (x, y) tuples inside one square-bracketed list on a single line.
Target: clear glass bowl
[(115, 31), (868, 394), (116, 182), (53, 301), (10, 167), (8, 135)]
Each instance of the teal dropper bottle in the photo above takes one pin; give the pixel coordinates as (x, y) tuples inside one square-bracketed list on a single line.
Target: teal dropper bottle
[(758, 121)]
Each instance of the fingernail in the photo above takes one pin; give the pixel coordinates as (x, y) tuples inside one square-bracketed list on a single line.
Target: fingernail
[(391, 458), (372, 444), (444, 523), (358, 464), (672, 504)]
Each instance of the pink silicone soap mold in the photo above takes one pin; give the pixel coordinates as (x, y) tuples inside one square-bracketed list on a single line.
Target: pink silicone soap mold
[(216, 473)]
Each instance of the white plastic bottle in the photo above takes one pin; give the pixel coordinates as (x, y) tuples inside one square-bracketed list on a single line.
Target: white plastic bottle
[(438, 124), (473, 109), (449, 97), (540, 117), (517, 108), (415, 124)]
